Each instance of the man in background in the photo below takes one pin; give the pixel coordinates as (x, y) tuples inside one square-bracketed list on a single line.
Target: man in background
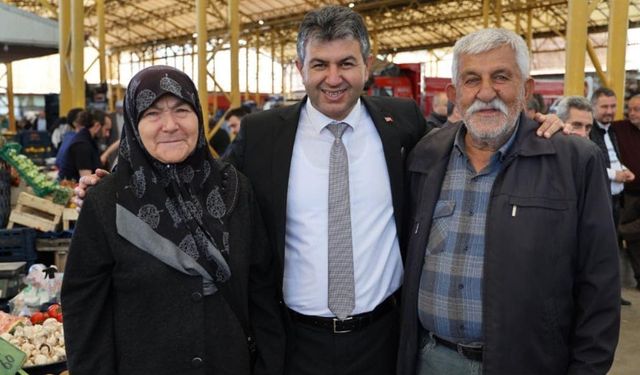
[(438, 115), (628, 136), (604, 106), (576, 113)]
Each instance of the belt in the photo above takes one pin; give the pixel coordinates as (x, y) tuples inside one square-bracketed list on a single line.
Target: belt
[(471, 352), (350, 323)]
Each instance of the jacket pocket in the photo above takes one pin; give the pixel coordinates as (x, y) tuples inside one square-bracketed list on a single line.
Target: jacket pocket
[(539, 202), (440, 226)]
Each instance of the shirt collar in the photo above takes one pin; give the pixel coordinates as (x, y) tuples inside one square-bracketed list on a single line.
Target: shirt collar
[(502, 151), (319, 121), (602, 126)]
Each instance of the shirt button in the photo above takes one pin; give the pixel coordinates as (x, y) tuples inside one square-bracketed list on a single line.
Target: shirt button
[(197, 362), (196, 296), (460, 286), (461, 327), (470, 213)]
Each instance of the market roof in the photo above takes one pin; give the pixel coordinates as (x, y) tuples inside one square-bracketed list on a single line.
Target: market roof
[(397, 25), (25, 35)]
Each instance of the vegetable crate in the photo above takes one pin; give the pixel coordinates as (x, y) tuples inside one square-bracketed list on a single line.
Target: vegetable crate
[(11, 274), (37, 213), (18, 245), (60, 248)]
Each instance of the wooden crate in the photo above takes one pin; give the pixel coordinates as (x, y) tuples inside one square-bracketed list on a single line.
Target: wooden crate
[(37, 213), (69, 216), (60, 246)]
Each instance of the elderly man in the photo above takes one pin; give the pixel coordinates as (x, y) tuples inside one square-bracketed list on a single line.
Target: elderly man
[(576, 113), (511, 264), (628, 135)]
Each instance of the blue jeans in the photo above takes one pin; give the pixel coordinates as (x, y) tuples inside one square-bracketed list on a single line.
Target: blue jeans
[(434, 359)]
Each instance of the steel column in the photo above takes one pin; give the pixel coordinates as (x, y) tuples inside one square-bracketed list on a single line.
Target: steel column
[(201, 40), (77, 53), (530, 30), (257, 95), (576, 40), (102, 55), (282, 68), (10, 104), (273, 63), (234, 29), (616, 52), (247, 95), (485, 13), (596, 64), (64, 34)]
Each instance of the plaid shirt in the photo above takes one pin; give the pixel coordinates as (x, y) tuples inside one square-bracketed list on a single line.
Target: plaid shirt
[(450, 297)]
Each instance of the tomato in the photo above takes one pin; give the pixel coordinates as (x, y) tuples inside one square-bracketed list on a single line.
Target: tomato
[(54, 310), (38, 318), (59, 318)]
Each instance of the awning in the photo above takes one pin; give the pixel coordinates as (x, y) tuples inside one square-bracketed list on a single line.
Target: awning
[(24, 35)]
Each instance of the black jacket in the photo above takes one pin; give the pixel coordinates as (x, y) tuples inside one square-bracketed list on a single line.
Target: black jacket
[(263, 149), (551, 288), (597, 136), (128, 313)]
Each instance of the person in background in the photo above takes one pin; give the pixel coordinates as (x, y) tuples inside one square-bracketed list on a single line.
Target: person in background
[(576, 112), (40, 122), (604, 106), (628, 135), (82, 157), (233, 119), (220, 139), (169, 270), (533, 107), (439, 111), (512, 264), (62, 135)]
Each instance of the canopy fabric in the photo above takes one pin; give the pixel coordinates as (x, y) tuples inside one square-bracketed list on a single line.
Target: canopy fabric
[(25, 35)]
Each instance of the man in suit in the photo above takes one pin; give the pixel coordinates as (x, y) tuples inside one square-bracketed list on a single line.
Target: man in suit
[(603, 101), (286, 154), (511, 261)]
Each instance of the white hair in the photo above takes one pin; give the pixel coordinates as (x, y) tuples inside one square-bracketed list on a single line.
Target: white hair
[(489, 39)]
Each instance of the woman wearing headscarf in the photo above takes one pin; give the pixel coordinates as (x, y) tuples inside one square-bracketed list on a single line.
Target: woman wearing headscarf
[(169, 270)]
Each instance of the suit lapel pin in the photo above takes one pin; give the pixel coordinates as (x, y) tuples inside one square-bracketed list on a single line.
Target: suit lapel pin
[(388, 120)]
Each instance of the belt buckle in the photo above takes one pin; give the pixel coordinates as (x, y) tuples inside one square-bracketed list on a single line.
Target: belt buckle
[(336, 320)]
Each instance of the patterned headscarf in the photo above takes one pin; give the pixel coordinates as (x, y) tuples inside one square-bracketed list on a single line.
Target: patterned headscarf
[(175, 212)]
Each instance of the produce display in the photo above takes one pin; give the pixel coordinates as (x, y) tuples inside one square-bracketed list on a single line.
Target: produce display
[(39, 182), (42, 343)]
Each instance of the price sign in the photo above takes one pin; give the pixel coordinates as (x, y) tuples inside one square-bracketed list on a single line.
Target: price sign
[(11, 358)]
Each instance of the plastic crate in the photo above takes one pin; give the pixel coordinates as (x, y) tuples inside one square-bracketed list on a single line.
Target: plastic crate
[(18, 245), (11, 274)]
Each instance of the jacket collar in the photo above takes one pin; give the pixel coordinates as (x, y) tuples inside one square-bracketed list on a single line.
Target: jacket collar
[(436, 147)]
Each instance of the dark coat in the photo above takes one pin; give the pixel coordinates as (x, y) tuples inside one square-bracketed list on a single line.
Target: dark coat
[(551, 288), (597, 136), (263, 149), (128, 313)]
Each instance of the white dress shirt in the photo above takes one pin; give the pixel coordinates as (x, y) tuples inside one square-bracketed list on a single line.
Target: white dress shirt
[(377, 262), (616, 187)]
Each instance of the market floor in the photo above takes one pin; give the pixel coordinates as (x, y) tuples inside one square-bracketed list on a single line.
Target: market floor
[(627, 360)]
